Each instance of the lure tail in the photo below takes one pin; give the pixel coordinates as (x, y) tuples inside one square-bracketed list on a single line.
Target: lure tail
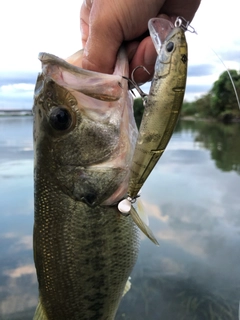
[(142, 226)]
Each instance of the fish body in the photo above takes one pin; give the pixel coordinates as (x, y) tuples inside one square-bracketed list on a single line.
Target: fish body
[(163, 104), (84, 137)]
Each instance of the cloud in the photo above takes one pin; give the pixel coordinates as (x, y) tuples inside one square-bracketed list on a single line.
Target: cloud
[(21, 271), (193, 88), (200, 70), (230, 52), (18, 243), (16, 96), (195, 91), (18, 289), (16, 89), (230, 55), (7, 78)]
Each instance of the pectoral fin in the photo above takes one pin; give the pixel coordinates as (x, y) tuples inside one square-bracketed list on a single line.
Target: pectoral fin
[(127, 286)]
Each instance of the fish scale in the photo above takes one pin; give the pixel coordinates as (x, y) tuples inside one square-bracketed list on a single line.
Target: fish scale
[(82, 271)]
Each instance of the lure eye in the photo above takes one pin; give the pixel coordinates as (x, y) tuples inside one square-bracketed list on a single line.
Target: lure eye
[(170, 46), (60, 118)]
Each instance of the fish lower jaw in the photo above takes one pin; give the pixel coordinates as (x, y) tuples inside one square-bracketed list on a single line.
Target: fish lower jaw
[(118, 195)]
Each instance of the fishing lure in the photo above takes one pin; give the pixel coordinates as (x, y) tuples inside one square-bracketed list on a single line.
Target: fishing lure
[(162, 107)]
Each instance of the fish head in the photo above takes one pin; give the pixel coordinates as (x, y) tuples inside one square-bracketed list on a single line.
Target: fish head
[(84, 129)]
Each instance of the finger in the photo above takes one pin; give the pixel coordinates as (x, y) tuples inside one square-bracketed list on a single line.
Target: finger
[(145, 55)]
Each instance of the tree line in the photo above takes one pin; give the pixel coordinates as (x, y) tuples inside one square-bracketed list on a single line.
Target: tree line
[(220, 103)]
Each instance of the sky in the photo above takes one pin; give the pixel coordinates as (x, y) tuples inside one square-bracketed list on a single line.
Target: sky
[(30, 26)]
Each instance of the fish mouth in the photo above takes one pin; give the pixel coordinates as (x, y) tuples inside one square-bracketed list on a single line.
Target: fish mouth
[(101, 86)]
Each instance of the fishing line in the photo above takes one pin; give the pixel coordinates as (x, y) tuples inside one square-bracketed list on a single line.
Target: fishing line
[(230, 77), (184, 24)]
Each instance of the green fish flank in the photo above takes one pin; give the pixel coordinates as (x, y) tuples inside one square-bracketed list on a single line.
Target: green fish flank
[(84, 249)]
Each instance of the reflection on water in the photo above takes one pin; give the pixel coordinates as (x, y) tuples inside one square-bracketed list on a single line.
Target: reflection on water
[(18, 285), (221, 140), (192, 200)]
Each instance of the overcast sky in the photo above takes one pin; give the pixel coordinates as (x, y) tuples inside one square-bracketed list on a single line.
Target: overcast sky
[(30, 26)]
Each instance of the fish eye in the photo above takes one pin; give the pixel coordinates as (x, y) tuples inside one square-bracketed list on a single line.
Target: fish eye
[(60, 118), (170, 46)]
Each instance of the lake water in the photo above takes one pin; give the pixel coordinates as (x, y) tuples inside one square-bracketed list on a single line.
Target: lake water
[(192, 198)]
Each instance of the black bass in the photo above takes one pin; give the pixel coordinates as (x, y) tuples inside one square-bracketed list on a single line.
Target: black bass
[(84, 138), (163, 104)]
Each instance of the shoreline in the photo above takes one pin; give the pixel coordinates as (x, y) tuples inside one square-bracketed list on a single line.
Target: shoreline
[(192, 118), (16, 112)]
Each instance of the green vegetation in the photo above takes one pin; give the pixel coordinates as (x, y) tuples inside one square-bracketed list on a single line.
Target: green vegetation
[(222, 140), (220, 103)]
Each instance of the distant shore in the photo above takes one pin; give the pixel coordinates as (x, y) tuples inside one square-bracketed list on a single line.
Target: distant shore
[(15, 112), (210, 119)]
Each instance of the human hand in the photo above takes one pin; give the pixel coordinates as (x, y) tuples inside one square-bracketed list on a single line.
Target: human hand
[(106, 24)]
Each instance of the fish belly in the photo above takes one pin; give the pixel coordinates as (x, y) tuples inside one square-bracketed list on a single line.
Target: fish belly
[(83, 255)]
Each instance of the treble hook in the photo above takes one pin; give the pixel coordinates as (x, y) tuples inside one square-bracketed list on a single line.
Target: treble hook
[(135, 85)]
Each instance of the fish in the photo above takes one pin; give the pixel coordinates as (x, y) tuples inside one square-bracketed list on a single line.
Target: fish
[(162, 105), (84, 138)]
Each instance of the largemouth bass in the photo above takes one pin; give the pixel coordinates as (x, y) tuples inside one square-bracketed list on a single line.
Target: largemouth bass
[(84, 138), (163, 104)]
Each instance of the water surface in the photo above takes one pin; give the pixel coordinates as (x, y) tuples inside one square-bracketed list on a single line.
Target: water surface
[(192, 198)]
